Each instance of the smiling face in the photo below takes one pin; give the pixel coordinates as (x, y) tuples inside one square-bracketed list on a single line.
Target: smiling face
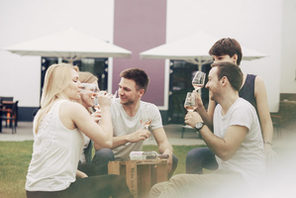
[(128, 92), (73, 89), (213, 83)]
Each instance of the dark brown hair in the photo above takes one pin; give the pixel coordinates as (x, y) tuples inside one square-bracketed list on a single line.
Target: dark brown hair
[(227, 46), (138, 75), (232, 72)]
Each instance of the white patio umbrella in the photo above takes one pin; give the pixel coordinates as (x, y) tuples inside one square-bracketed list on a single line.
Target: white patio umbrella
[(194, 49), (69, 44)]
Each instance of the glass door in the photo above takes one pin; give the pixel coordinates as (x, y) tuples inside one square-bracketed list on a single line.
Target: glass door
[(181, 74), (96, 66)]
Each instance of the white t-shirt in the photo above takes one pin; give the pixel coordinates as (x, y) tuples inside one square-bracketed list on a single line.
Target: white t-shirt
[(56, 151), (123, 124), (249, 159)]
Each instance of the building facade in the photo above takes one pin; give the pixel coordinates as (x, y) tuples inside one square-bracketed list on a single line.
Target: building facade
[(141, 25)]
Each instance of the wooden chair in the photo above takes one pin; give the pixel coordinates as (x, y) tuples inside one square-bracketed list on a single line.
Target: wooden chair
[(10, 115), (5, 99)]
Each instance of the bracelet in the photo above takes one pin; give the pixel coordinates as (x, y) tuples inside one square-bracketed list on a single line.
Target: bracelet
[(268, 142)]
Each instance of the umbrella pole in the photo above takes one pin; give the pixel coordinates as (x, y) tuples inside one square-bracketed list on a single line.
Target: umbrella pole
[(60, 60), (199, 63)]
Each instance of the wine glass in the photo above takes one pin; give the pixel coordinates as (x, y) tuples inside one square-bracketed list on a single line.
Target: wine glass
[(198, 80), (189, 103), (90, 88), (114, 95)]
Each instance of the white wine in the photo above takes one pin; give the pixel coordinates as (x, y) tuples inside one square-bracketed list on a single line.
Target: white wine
[(189, 108), (198, 80), (197, 86)]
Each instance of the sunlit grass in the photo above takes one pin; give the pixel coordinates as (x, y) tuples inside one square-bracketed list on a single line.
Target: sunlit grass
[(14, 161)]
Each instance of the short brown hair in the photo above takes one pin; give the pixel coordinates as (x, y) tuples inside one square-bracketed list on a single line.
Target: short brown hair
[(227, 46), (232, 72), (138, 75)]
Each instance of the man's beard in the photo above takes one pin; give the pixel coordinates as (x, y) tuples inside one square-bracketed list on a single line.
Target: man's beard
[(128, 102)]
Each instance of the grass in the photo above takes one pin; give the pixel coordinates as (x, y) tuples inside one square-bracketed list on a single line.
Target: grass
[(15, 158), (14, 161)]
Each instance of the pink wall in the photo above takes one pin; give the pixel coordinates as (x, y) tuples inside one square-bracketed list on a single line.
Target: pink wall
[(140, 25)]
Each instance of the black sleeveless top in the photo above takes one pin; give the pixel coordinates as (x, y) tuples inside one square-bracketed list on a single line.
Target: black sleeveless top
[(247, 91)]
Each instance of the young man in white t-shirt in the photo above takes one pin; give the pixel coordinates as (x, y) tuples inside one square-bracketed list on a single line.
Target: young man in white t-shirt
[(134, 121), (237, 141)]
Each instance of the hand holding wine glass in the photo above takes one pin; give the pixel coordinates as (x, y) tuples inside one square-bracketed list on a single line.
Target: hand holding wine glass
[(198, 80), (189, 103)]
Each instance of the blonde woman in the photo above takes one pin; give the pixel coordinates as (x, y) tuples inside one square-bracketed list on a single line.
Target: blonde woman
[(88, 165), (58, 141)]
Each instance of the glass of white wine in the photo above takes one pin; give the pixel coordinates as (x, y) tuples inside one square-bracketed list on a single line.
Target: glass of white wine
[(189, 103), (90, 88), (198, 80)]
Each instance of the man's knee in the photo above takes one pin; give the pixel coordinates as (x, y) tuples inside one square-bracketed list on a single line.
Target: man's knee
[(192, 154), (197, 154), (175, 162), (194, 160)]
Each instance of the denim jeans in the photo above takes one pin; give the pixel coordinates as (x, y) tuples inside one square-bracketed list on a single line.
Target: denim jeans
[(200, 158)]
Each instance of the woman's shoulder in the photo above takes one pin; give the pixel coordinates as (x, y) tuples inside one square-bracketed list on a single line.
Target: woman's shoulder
[(259, 84), (71, 106), (255, 77)]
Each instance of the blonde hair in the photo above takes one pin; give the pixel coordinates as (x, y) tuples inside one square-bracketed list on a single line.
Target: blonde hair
[(87, 77), (57, 78)]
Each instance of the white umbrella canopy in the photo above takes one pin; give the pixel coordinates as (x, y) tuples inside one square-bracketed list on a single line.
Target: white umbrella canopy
[(69, 44), (192, 49)]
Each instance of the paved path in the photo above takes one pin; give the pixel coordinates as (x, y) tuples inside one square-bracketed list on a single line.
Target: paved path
[(173, 131), (23, 132)]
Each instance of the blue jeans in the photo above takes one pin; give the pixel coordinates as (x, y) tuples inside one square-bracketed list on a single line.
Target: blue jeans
[(103, 156), (200, 158)]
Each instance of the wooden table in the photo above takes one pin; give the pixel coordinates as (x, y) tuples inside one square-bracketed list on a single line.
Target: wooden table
[(140, 175), (7, 102)]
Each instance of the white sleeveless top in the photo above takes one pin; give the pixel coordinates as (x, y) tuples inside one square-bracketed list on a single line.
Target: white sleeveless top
[(56, 152)]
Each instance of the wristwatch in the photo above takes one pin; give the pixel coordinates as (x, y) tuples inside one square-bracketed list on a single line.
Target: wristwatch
[(199, 125)]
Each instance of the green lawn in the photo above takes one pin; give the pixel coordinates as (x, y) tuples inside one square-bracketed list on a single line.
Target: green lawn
[(15, 158), (14, 162)]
